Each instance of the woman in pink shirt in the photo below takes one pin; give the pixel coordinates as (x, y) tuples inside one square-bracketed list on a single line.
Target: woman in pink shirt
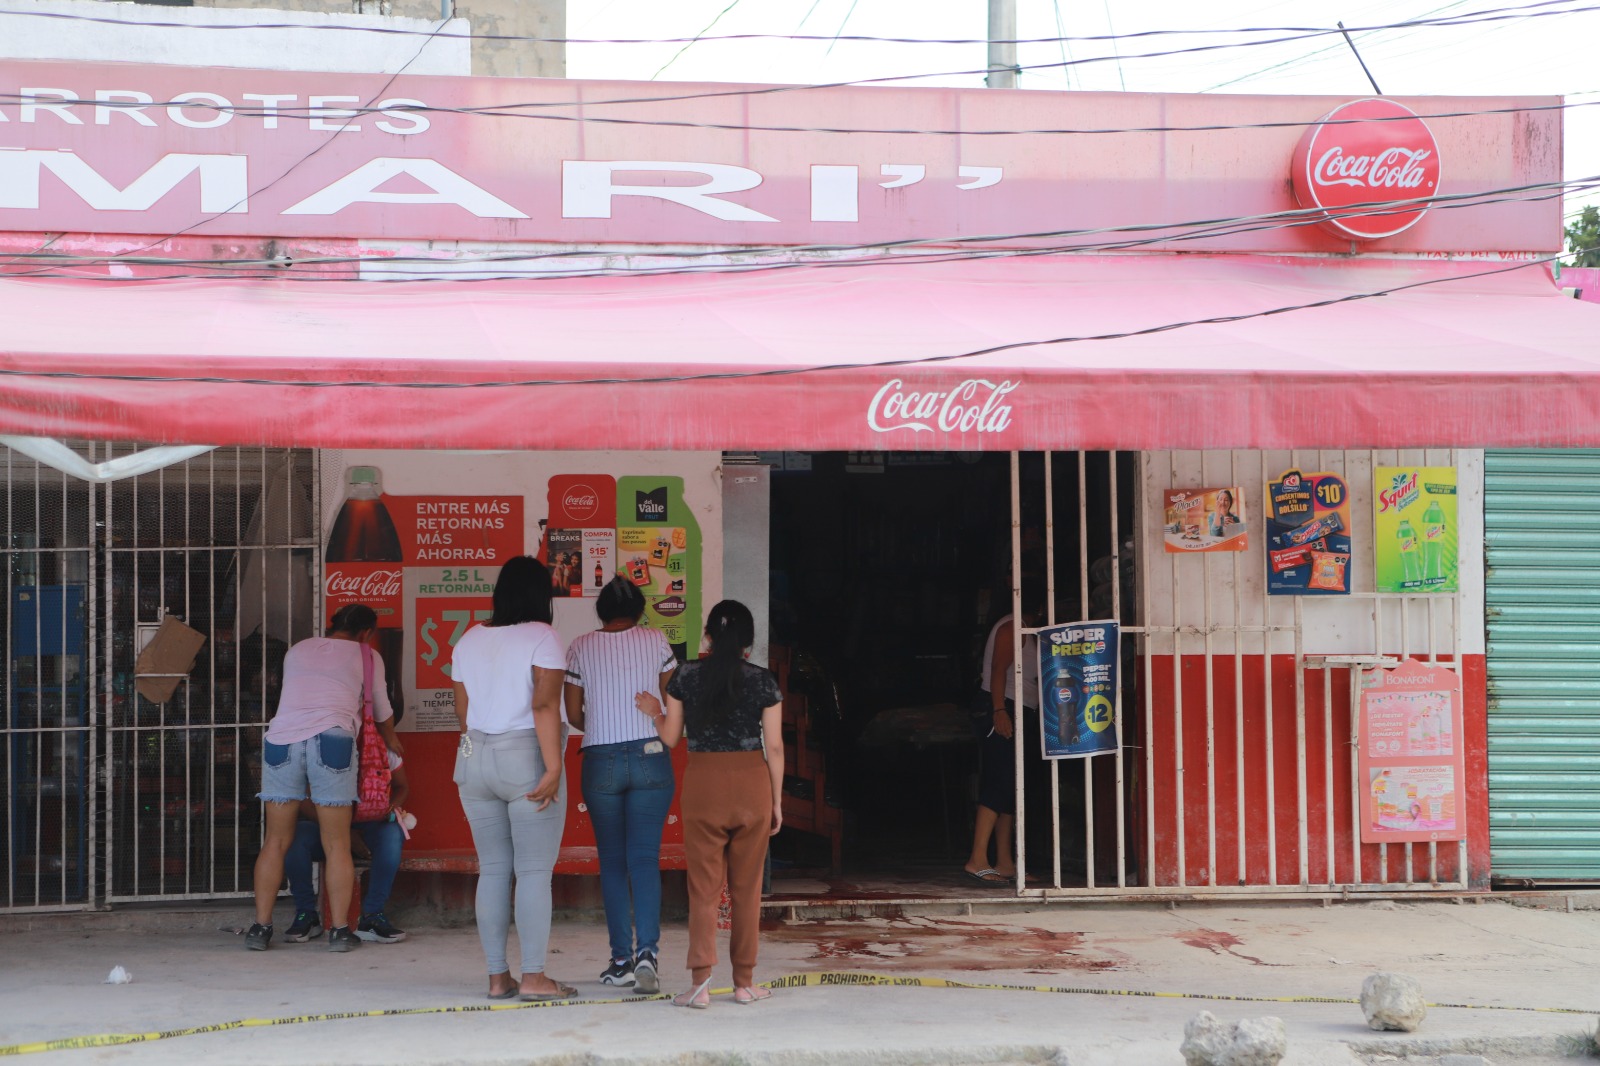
[(310, 747)]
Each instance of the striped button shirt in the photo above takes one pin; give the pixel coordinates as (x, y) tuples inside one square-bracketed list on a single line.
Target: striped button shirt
[(612, 668)]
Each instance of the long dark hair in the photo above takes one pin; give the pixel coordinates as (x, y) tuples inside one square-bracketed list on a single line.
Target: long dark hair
[(521, 593), (731, 629)]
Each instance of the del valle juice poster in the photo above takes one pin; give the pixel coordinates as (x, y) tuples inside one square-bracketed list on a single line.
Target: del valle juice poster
[(1414, 528)]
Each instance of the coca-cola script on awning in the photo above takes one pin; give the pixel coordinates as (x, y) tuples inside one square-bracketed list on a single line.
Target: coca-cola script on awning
[(1076, 352)]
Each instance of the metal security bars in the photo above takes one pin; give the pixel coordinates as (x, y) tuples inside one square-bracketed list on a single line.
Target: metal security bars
[(109, 796), (1237, 770), (226, 542), (47, 715)]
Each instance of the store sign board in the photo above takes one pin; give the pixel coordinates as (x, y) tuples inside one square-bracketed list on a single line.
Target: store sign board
[(1078, 667), (1414, 529), (1363, 153), (125, 148), (1411, 759)]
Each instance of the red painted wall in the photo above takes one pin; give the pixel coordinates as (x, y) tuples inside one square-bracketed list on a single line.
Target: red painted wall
[(443, 841), (1190, 788)]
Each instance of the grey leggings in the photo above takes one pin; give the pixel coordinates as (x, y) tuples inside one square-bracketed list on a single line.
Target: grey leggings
[(512, 837)]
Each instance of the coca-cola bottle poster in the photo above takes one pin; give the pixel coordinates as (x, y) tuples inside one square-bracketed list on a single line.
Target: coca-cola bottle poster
[(427, 565)]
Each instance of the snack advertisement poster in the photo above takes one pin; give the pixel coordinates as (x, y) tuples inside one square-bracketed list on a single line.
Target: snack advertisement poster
[(1308, 535), (1205, 520), (1078, 688), (1414, 529)]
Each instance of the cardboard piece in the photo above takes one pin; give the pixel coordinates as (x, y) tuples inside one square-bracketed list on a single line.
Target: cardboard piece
[(169, 655)]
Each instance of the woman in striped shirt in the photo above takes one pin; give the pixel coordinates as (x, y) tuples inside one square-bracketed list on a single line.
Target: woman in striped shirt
[(627, 773)]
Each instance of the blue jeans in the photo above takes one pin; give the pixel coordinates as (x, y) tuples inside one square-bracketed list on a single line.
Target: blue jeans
[(383, 839), (325, 765), (628, 791)]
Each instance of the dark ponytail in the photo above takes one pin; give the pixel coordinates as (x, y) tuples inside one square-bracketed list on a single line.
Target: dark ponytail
[(353, 619), (731, 629)]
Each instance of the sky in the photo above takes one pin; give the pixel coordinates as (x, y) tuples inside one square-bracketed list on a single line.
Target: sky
[(1554, 55)]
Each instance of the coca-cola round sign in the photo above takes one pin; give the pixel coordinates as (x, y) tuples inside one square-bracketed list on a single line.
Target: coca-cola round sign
[(1363, 153), (580, 503)]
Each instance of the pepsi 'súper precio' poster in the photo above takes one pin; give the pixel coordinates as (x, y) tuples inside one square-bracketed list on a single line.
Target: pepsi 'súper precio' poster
[(1078, 688)]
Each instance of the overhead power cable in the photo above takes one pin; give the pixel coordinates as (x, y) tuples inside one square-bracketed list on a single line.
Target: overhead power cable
[(939, 251), (1296, 61), (1468, 19), (699, 38), (696, 39), (1289, 218), (513, 110), (344, 126), (782, 372)]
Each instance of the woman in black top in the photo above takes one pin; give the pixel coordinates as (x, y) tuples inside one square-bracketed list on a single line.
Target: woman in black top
[(732, 803)]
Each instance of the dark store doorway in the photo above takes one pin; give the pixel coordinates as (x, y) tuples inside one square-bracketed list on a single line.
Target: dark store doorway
[(888, 571)]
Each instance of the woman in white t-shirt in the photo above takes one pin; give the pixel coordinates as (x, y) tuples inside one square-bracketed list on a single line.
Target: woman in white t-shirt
[(627, 773), (310, 748), (507, 675)]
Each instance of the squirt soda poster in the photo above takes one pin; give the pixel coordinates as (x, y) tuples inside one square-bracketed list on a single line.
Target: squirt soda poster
[(1414, 528), (1410, 759), (1308, 535)]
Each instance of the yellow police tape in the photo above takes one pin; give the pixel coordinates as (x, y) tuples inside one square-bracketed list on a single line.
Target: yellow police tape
[(799, 980)]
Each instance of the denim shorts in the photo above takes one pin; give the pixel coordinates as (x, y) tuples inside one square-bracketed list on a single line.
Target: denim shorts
[(326, 764)]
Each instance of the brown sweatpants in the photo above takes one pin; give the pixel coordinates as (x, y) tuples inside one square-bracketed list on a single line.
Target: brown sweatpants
[(727, 814)]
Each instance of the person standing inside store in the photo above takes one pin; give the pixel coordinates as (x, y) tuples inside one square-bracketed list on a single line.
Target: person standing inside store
[(732, 713), (997, 767), (310, 748), (627, 773), (507, 676), (382, 840)]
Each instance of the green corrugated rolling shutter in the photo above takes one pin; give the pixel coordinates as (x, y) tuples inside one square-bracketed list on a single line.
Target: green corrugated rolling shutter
[(1542, 593)]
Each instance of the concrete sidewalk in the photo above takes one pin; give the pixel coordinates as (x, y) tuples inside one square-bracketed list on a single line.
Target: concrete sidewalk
[(189, 972)]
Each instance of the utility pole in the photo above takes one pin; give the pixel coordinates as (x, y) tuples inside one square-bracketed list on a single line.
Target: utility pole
[(1002, 44)]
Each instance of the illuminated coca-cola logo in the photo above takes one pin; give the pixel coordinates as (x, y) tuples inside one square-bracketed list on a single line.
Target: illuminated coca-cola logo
[(379, 584), (974, 406), (1370, 152), (581, 502)]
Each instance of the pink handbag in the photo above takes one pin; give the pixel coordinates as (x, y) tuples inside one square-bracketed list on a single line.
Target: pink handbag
[(372, 795)]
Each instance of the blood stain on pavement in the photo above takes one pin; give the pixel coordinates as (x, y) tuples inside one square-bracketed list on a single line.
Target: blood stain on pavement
[(936, 943), (1219, 943)]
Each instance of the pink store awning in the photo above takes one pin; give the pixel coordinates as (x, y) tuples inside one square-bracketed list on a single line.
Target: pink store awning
[(1462, 354)]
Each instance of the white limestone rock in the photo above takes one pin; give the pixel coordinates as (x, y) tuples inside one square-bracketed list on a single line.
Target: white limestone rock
[(1393, 1001), (1252, 1042)]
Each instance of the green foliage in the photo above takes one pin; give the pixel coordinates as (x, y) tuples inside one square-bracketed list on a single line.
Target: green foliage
[(1582, 1045), (1583, 238)]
